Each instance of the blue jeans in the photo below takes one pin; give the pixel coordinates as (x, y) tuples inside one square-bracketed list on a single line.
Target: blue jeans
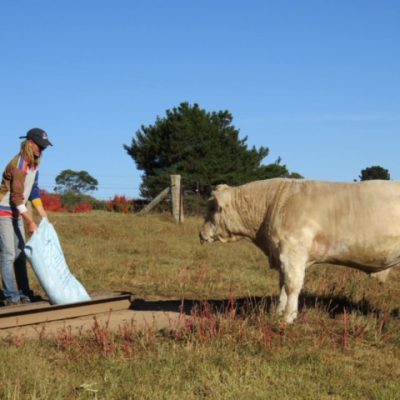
[(13, 260)]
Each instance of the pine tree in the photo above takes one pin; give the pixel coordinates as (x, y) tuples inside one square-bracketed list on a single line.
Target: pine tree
[(203, 147)]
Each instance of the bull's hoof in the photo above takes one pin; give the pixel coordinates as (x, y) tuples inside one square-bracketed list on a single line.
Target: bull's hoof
[(289, 319), (279, 310)]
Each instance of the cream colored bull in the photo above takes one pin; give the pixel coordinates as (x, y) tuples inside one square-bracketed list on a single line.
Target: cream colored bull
[(298, 223)]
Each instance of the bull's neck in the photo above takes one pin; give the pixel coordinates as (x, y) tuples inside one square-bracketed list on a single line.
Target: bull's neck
[(257, 203)]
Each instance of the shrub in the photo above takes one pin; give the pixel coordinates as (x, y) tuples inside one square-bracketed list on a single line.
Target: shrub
[(120, 204), (96, 203), (82, 207), (71, 200), (52, 202)]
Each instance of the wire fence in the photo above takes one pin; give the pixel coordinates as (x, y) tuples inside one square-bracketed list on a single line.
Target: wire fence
[(190, 203)]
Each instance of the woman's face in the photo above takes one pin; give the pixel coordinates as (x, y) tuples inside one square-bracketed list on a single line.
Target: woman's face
[(37, 151)]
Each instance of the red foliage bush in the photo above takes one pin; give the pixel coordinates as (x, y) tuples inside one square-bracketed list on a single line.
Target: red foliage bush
[(120, 204), (82, 207), (52, 202)]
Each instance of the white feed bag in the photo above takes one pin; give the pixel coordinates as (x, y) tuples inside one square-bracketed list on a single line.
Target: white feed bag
[(46, 256)]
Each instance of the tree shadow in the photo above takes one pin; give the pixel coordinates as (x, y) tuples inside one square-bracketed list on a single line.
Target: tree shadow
[(333, 305)]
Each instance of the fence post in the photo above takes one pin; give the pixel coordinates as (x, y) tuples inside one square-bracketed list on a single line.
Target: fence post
[(176, 195)]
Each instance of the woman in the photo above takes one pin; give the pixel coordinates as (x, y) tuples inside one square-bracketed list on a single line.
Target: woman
[(19, 184)]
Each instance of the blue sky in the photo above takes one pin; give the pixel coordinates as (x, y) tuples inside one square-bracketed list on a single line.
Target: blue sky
[(317, 82)]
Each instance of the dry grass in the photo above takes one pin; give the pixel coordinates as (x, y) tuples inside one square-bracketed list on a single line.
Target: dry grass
[(153, 256), (345, 344)]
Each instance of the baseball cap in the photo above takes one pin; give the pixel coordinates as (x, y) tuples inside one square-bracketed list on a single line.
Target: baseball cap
[(39, 136)]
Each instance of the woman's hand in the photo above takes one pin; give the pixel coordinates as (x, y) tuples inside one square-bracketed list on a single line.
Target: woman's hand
[(32, 227)]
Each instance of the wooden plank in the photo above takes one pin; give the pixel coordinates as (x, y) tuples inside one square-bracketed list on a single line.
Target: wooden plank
[(26, 307), (38, 313), (155, 201)]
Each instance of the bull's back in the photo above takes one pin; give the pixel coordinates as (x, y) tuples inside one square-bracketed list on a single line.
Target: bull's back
[(354, 224)]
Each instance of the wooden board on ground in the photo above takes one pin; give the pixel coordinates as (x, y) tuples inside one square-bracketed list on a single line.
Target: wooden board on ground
[(34, 313), (137, 316)]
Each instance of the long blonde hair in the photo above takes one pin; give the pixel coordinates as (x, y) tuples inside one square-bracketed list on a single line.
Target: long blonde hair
[(27, 154)]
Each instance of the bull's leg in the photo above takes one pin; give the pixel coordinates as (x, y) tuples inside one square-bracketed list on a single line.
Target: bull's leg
[(293, 269), (283, 296)]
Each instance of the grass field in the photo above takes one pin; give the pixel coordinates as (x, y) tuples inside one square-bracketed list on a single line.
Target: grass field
[(344, 345)]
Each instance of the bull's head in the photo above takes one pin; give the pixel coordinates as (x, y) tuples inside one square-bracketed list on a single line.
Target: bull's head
[(216, 224)]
